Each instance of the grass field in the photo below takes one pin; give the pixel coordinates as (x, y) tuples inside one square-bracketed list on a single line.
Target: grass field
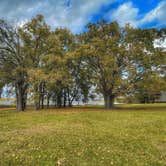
[(133, 135)]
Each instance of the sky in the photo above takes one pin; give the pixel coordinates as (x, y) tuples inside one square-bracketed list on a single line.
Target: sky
[(75, 14)]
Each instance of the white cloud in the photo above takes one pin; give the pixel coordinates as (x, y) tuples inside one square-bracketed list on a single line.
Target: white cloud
[(127, 13), (158, 14), (77, 14), (73, 14), (160, 43)]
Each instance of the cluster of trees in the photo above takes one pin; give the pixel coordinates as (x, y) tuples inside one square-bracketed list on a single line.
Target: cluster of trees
[(58, 66)]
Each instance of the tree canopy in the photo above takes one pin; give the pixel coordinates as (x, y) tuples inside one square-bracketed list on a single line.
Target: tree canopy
[(58, 66)]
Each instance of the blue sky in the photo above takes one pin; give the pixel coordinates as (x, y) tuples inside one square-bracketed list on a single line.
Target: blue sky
[(75, 14)]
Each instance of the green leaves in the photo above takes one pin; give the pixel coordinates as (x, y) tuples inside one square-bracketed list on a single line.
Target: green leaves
[(104, 53), (112, 59)]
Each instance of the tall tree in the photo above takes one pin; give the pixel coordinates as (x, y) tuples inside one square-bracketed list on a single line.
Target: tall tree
[(106, 58), (39, 42), (13, 62), (75, 86)]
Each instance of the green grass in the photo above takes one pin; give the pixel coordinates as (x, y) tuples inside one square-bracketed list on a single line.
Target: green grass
[(130, 135)]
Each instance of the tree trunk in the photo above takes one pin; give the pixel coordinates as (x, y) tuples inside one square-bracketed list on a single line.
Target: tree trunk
[(20, 96), (48, 101), (109, 101), (37, 105), (55, 101), (42, 94), (70, 101), (42, 102), (25, 99), (59, 100), (64, 98), (1, 92), (36, 97), (70, 104)]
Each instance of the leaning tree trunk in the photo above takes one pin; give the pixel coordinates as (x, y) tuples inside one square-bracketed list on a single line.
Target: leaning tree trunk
[(109, 101)]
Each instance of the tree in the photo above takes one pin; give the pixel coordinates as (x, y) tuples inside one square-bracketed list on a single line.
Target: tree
[(39, 42), (13, 62), (106, 58), (62, 67), (147, 62), (74, 85)]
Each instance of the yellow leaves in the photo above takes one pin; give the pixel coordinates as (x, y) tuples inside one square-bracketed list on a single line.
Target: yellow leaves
[(108, 61), (53, 76), (36, 75), (61, 161), (112, 163), (13, 155)]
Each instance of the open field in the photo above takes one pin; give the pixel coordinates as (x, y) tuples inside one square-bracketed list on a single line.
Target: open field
[(130, 135)]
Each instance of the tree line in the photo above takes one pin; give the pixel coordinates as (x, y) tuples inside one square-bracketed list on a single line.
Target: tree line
[(58, 66)]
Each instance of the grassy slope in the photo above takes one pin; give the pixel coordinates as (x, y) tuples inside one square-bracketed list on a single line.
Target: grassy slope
[(83, 137)]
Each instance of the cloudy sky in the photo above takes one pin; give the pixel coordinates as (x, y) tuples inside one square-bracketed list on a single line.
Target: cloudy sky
[(75, 14)]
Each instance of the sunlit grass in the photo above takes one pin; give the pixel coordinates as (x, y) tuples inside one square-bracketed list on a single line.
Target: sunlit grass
[(84, 136)]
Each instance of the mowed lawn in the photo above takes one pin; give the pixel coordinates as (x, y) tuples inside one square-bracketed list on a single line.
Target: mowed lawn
[(133, 135)]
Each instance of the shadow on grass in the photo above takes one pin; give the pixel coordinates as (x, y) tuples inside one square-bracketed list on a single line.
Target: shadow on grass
[(117, 107), (128, 107)]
